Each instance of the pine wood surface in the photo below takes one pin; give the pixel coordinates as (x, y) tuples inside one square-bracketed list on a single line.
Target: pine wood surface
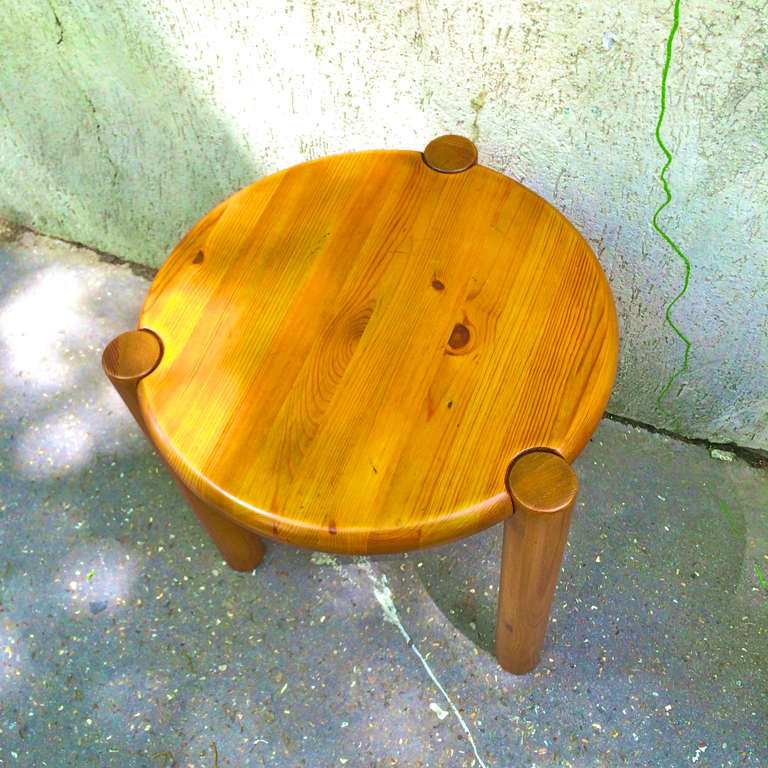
[(355, 349), (543, 489)]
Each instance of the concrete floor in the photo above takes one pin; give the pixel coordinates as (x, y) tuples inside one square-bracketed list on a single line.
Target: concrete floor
[(126, 641)]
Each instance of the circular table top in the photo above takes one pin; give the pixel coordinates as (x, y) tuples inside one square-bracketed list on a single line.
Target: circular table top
[(355, 349)]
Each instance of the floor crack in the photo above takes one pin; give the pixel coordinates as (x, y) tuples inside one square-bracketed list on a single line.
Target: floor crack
[(383, 595)]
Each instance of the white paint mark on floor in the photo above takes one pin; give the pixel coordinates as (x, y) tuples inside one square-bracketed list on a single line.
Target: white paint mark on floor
[(700, 750), (323, 558), (438, 710), (383, 595)]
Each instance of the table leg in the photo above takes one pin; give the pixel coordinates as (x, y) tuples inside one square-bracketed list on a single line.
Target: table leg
[(127, 359), (543, 488), (241, 548)]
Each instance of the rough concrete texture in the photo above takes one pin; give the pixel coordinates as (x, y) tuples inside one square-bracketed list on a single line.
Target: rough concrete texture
[(122, 123), (125, 640)]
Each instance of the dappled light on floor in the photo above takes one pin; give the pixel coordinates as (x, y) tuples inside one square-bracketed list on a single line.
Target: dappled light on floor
[(97, 576), (60, 443), (11, 658), (34, 323)]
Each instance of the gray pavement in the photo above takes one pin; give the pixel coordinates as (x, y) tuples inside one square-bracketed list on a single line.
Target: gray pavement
[(126, 641)]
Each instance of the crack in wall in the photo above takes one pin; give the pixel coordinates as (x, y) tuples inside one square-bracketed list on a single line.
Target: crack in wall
[(100, 138), (58, 24)]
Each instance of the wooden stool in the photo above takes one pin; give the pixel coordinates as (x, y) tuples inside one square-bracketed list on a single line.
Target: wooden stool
[(376, 352)]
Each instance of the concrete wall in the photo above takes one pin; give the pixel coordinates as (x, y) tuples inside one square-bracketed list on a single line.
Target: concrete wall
[(121, 123)]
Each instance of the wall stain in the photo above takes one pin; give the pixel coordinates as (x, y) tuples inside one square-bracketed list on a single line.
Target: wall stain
[(672, 244), (477, 104)]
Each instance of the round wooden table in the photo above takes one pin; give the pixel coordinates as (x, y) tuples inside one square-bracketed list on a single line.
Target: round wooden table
[(380, 351)]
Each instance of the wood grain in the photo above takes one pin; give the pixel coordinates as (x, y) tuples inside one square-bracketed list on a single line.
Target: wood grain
[(355, 348)]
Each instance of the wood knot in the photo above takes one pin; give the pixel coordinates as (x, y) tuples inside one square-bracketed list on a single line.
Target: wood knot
[(462, 339), (459, 336), (437, 285), (199, 258)]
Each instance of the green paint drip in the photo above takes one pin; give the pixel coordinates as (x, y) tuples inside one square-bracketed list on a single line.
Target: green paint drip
[(727, 514), (662, 176), (760, 576), (740, 533), (676, 249)]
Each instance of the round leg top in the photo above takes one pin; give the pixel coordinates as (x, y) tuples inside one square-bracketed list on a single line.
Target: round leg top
[(450, 154), (132, 355), (542, 482)]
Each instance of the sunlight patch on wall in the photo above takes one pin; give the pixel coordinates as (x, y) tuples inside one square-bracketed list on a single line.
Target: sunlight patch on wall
[(320, 101)]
